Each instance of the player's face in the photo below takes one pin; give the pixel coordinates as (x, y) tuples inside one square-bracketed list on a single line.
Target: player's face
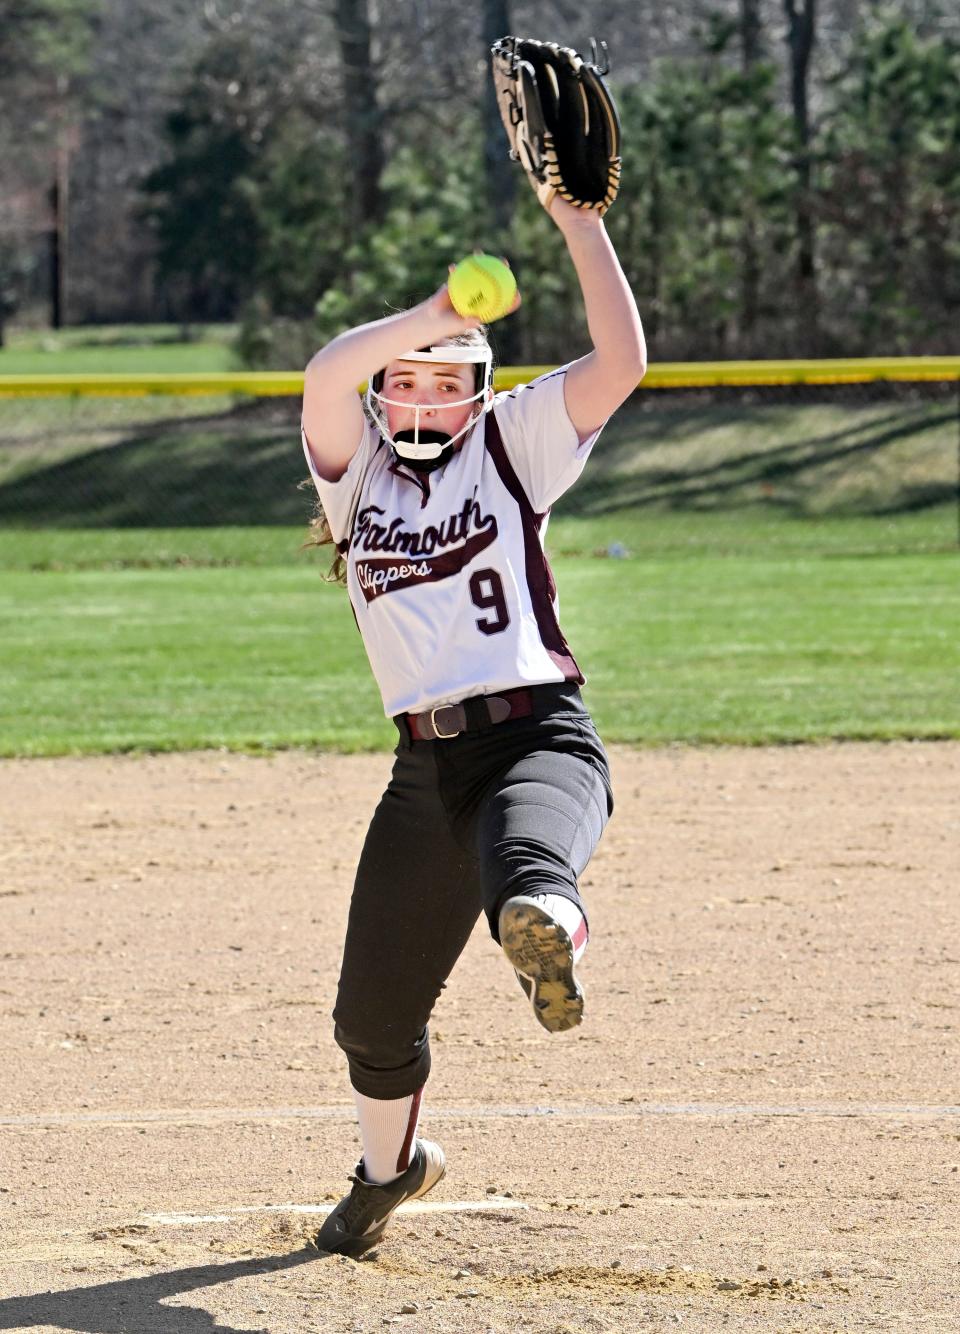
[(433, 387)]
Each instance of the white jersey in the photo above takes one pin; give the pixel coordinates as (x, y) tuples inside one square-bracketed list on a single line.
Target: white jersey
[(446, 570)]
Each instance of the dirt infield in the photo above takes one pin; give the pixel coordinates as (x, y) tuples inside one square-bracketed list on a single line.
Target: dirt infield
[(756, 1128)]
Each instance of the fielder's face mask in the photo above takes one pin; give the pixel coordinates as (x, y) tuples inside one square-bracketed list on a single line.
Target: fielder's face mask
[(421, 447)]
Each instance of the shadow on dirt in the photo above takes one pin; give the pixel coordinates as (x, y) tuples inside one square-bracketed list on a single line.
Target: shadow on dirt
[(135, 1305)]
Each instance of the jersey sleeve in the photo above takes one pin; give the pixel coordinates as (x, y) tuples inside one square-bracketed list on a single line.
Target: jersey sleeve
[(540, 439), (340, 498)]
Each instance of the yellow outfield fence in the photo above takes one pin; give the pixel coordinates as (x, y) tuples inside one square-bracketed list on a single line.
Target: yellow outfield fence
[(864, 453), (660, 375)]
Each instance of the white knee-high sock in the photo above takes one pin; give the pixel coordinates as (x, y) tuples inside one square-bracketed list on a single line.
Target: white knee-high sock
[(387, 1130), (570, 918)]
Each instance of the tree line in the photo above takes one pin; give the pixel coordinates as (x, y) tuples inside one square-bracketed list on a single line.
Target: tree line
[(791, 168)]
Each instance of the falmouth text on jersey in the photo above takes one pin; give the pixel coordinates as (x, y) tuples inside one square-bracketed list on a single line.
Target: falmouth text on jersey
[(414, 556)]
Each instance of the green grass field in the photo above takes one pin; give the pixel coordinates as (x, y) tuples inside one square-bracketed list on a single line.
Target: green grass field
[(695, 647), (111, 349), (733, 569), (197, 461)]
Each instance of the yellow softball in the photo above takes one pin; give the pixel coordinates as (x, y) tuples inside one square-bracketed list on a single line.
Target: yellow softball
[(483, 287)]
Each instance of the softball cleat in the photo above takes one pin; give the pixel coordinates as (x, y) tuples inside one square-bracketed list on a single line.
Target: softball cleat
[(543, 956), (359, 1220)]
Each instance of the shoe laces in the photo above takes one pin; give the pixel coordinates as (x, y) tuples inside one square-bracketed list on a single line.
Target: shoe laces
[(362, 1195)]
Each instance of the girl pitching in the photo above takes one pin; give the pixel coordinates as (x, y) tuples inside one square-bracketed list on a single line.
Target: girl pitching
[(437, 499)]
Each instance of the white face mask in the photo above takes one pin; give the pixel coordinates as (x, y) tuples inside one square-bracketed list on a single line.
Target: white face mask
[(422, 447)]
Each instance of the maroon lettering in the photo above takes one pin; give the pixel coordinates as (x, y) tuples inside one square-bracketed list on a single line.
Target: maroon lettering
[(385, 575), (370, 535)]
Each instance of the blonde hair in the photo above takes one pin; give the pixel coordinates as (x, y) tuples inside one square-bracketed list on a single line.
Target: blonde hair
[(320, 535)]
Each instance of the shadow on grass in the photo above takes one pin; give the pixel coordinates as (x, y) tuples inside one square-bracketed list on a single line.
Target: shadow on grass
[(241, 467), (136, 1304), (802, 476), (244, 467)]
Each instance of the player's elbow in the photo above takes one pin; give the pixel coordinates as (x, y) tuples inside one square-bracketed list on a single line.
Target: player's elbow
[(327, 384), (317, 365), (637, 351), (630, 369), (626, 360)]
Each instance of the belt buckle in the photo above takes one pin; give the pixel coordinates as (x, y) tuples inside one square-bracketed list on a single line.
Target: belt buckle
[(441, 736)]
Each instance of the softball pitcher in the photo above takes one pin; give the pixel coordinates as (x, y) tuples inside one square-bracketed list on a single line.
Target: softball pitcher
[(437, 499)]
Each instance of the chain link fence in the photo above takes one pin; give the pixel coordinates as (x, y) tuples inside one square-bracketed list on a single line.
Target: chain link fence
[(854, 467)]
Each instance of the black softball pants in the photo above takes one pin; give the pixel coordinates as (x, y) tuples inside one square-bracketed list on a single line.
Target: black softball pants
[(464, 824)]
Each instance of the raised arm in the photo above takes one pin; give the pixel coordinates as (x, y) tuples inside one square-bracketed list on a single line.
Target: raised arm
[(332, 415), (598, 383)]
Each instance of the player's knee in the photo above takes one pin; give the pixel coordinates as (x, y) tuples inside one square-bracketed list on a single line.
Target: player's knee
[(380, 1047), (382, 1065), (523, 867)]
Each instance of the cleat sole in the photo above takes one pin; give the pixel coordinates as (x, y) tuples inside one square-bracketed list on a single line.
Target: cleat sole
[(541, 952)]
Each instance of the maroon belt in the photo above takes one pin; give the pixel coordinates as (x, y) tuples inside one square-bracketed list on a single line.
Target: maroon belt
[(470, 715)]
